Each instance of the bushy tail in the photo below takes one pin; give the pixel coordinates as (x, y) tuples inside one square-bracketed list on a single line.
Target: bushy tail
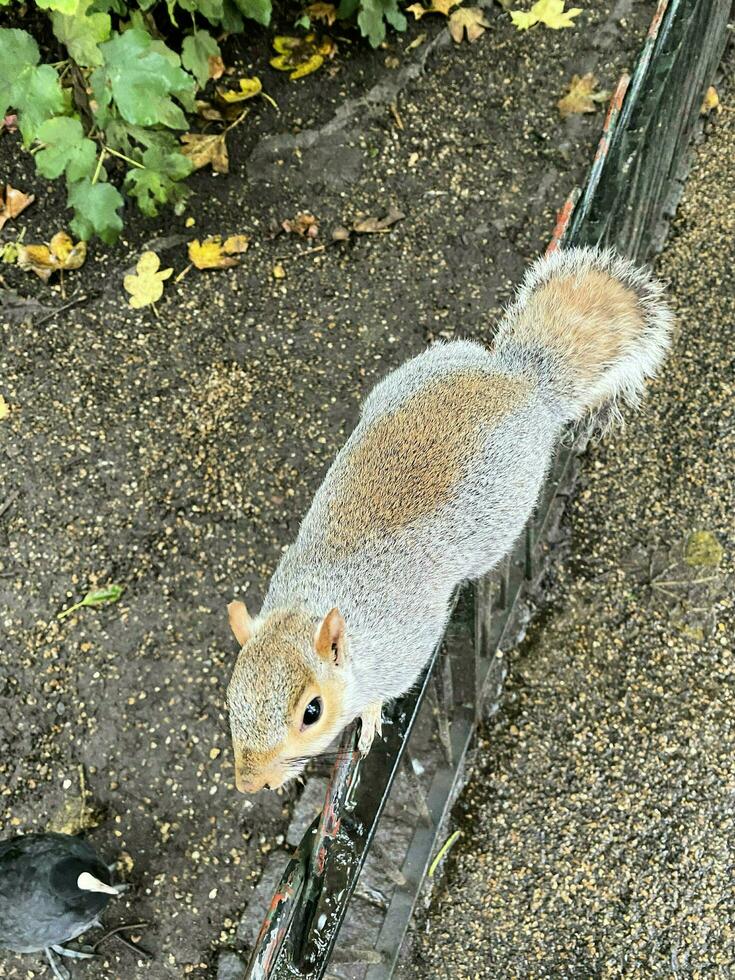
[(591, 326)]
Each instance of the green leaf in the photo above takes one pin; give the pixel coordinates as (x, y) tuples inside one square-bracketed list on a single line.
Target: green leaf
[(347, 8), (142, 80), (257, 10), (37, 96), (18, 52), (97, 597), (67, 149), (63, 6), (212, 10), (231, 20), (95, 210), (157, 183), (196, 51), (82, 33), (370, 19), (104, 6)]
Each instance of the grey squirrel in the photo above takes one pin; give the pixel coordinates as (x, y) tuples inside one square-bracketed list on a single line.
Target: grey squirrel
[(432, 488)]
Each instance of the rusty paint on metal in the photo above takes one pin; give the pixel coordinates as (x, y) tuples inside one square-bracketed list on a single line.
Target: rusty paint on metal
[(562, 221), (657, 18)]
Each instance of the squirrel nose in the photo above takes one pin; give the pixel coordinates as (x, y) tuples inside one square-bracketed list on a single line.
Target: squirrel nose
[(246, 785)]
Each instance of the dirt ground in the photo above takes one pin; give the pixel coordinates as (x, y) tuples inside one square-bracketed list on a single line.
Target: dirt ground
[(598, 827), (176, 455)]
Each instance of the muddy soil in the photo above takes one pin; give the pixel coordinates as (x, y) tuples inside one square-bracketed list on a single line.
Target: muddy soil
[(175, 454)]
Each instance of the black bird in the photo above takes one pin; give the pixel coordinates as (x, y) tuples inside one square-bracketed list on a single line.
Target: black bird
[(53, 887)]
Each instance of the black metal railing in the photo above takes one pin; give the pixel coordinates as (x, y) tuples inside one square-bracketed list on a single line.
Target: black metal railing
[(630, 195)]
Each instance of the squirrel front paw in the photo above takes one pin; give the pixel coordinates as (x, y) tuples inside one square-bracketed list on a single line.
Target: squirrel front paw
[(371, 725)]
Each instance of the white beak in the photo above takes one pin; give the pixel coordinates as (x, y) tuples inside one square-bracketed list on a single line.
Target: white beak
[(88, 883)]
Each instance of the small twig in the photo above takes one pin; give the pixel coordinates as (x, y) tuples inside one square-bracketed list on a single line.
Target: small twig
[(60, 309), (237, 121), (184, 272), (9, 502), (115, 934), (442, 851), (121, 156), (693, 581), (98, 168), (309, 251)]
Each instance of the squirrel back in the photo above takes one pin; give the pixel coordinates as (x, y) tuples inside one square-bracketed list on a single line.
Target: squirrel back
[(432, 487)]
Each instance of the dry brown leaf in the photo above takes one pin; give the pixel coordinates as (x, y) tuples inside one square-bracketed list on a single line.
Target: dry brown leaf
[(372, 226), (581, 96), (13, 203), (304, 224), (214, 253), (216, 66), (436, 7), (340, 234), (207, 111), (203, 149), (711, 101), (467, 20), (325, 12), (60, 254)]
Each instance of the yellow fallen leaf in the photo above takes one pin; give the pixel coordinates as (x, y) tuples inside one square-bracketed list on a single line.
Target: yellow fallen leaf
[(301, 55), (249, 87), (467, 20), (203, 149), (711, 101), (4, 409), (59, 255), (325, 12), (74, 816), (278, 271), (703, 549), (436, 7), (214, 253), (418, 40), (146, 286), (581, 96), (548, 12), (13, 202), (190, 222)]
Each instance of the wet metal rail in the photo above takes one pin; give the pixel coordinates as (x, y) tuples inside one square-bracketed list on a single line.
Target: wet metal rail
[(631, 192)]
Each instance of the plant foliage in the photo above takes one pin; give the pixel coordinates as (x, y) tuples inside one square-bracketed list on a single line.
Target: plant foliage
[(117, 104)]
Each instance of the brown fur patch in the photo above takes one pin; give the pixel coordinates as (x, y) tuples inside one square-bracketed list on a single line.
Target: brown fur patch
[(589, 319), (408, 463)]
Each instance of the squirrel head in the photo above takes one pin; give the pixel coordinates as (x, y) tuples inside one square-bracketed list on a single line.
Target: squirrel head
[(286, 693)]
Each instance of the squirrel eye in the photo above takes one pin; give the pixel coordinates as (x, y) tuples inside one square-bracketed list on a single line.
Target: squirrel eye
[(313, 712)]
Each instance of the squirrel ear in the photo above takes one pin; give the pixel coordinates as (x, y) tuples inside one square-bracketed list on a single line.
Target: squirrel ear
[(329, 642), (240, 622)]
